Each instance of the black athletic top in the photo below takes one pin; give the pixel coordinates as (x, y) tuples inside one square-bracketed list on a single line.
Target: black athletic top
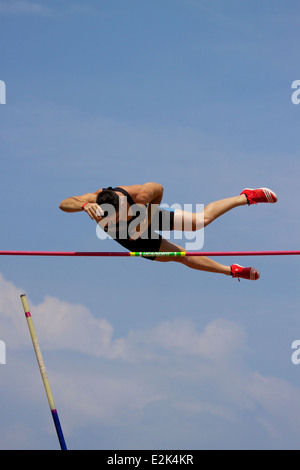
[(121, 230), (150, 240)]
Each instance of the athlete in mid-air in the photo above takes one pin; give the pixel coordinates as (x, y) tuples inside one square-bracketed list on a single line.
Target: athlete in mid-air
[(132, 216)]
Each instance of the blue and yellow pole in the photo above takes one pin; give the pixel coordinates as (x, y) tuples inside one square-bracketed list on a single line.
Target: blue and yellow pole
[(43, 373)]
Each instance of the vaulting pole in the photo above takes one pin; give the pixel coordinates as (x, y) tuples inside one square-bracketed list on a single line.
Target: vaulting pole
[(43, 373)]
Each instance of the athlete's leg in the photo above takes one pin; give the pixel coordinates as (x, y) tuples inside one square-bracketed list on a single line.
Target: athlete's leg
[(201, 263), (191, 221), (215, 209)]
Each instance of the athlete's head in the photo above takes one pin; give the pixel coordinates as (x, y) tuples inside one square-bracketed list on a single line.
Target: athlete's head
[(109, 202)]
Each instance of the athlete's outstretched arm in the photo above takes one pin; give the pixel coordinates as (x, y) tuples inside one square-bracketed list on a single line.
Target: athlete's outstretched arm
[(74, 204)]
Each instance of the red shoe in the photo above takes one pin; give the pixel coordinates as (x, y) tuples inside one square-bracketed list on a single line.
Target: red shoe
[(245, 273), (255, 196)]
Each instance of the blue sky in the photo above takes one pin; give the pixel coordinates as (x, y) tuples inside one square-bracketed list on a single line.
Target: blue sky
[(195, 95)]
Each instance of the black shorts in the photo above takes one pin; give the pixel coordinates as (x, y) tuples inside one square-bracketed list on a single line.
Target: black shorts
[(162, 221)]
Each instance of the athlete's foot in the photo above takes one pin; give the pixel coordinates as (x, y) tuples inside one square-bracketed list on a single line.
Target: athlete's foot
[(254, 196), (244, 273)]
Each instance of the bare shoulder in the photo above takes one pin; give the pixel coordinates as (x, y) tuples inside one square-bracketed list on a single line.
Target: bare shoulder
[(144, 193), (133, 189), (138, 188)]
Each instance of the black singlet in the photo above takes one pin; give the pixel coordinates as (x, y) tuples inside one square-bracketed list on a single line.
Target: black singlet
[(151, 240)]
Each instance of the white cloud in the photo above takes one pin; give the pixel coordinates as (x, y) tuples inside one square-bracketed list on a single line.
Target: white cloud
[(27, 7), (17, 7), (62, 325), (278, 398), (58, 324), (188, 371)]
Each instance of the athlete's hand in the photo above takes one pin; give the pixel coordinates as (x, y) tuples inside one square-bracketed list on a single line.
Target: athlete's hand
[(92, 209)]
